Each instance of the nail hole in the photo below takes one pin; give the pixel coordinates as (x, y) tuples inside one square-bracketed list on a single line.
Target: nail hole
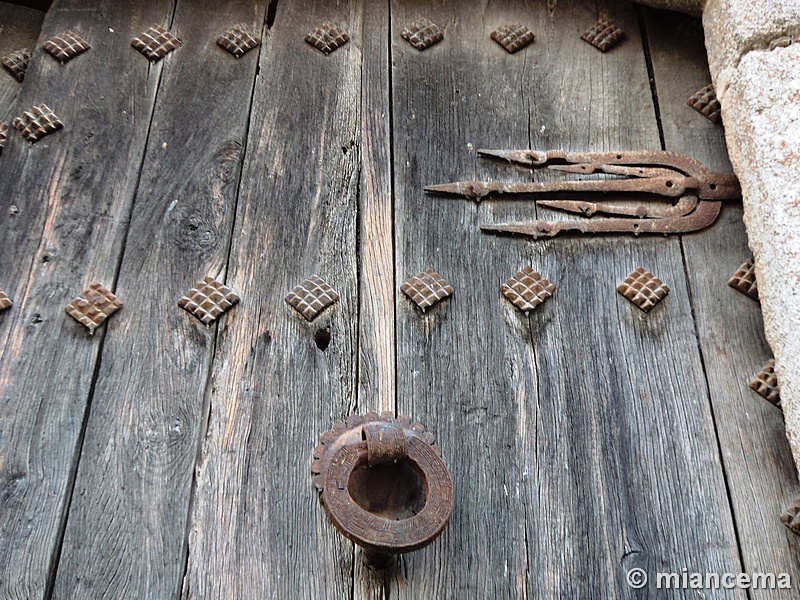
[(669, 184), (619, 156), (322, 338), (713, 186)]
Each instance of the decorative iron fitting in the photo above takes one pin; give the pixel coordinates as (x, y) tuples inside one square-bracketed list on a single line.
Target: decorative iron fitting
[(5, 301), (527, 289), (706, 103), (65, 46), (38, 122), (209, 300), (311, 296), (94, 306), (426, 289), (3, 135), (237, 41), (17, 63), (513, 37), (643, 289), (765, 384), (603, 35), (744, 280), (383, 484), (791, 516)]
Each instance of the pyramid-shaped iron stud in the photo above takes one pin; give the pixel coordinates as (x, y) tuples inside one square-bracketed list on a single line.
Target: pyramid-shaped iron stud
[(155, 43), (208, 300), (426, 289), (238, 41), (327, 37), (17, 63), (705, 102), (791, 516), (765, 384), (744, 280), (643, 289), (513, 37), (36, 123), (422, 34), (603, 35), (65, 46), (311, 296), (3, 135), (5, 301), (527, 289), (94, 306)]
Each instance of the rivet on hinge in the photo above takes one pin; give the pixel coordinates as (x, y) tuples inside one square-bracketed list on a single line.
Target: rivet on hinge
[(208, 300), (237, 41), (94, 306), (311, 296), (603, 35), (5, 301), (765, 384), (527, 289), (422, 34), (705, 102), (155, 43), (3, 135), (643, 289), (17, 62), (37, 123), (791, 516), (327, 37), (426, 289), (65, 46), (744, 280), (513, 37)]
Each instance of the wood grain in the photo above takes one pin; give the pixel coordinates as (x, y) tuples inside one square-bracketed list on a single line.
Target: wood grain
[(756, 458), (72, 192), (258, 529), (148, 412)]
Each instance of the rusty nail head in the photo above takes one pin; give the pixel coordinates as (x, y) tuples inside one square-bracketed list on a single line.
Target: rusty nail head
[(383, 484), (706, 103), (426, 289), (513, 37), (422, 34), (744, 280), (155, 43), (643, 289), (603, 35), (527, 289), (311, 296), (238, 41), (208, 300), (5, 301), (17, 63), (65, 46), (327, 37), (765, 384), (38, 122), (94, 306)]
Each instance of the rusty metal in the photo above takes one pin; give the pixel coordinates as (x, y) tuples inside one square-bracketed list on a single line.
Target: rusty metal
[(513, 37), (422, 34), (527, 289), (744, 280), (643, 289), (208, 300), (238, 41), (311, 296), (383, 484), (426, 289), (17, 63), (603, 35), (65, 46), (5, 301), (791, 516), (155, 43), (695, 193), (327, 37), (765, 384), (36, 123), (94, 306), (705, 102), (3, 135)]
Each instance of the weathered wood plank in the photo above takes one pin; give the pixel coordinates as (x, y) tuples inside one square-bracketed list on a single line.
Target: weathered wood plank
[(465, 368), (258, 529), (594, 447), (148, 411), (19, 28), (758, 464), (72, 192)]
